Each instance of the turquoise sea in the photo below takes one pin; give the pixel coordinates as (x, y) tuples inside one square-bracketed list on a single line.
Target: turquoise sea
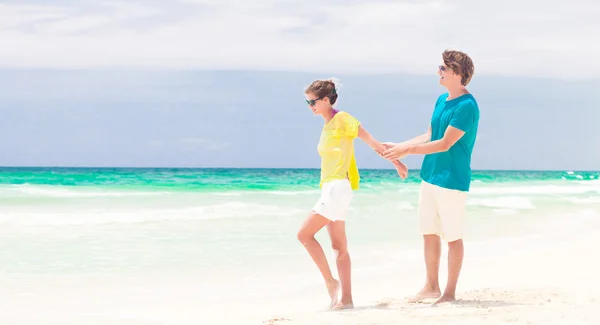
[(231, 233)]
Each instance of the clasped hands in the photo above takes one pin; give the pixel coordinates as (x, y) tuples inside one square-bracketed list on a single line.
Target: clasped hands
[(394, 151)]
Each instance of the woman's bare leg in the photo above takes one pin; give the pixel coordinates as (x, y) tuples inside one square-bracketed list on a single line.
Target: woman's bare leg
[(306, 236), (337, 233)]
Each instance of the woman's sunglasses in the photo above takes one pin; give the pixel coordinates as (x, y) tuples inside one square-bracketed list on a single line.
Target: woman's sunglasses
[(312, 102)]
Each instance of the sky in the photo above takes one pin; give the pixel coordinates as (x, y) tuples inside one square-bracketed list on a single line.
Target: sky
[(212, 83), (509, 37)]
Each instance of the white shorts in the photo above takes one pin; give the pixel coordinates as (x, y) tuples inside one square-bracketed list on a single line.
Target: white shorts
[(442, 211), (335, 199)]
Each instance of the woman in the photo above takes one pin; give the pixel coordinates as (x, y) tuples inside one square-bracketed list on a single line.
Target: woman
[(339, 177)]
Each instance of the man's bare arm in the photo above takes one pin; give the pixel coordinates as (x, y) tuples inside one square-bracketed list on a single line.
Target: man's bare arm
[(451, 136)]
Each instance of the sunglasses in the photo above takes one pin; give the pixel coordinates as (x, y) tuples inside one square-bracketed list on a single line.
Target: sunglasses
[(442, 68), (312, 102)]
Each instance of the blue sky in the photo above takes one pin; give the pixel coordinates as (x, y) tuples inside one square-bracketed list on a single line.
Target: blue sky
[(219, 83)]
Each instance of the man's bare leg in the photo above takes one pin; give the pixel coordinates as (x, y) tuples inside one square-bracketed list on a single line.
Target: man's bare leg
[(456, 253), (306, 236), (433, 251)]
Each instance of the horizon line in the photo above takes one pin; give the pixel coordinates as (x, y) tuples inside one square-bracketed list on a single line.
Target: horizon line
[(276, 168)]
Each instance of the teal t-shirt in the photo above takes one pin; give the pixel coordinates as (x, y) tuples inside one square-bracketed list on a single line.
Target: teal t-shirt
[(452, 169)]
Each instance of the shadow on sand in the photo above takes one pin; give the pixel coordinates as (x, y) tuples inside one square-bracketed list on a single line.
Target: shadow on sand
[(480, 303), (468, 303)]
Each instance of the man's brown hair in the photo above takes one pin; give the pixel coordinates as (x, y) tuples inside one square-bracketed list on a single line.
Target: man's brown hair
[(461, 64)]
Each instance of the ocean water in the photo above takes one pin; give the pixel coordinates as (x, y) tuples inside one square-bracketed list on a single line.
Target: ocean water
[(238, 226)]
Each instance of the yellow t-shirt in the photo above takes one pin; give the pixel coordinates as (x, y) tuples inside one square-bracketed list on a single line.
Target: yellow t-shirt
[(336, 148)]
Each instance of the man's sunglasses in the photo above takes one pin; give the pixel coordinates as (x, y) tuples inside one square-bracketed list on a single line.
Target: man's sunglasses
[(312, 102), (442, 68)]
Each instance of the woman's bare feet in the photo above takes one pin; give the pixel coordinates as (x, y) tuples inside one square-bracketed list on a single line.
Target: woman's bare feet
[(334, 289), (342, 305)]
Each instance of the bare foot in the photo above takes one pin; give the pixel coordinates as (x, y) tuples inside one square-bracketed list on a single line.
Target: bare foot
[(334, 289), (445, 299), (341, 306), (424, 294)]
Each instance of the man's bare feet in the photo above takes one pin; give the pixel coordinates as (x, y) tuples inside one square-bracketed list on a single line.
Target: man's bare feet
[(333, 288), (445, 299), (424, 294)]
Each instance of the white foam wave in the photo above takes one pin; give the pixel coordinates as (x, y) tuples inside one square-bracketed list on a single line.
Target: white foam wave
[(227, 193), (583, 187), (509, 202), (239, 210), (592, 181), (505, 211), (85, 217), (292, 193), (27, 190), (577, 200)]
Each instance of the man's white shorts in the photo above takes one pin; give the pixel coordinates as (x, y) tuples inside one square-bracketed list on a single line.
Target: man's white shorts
[(335, 199), (442, 211)]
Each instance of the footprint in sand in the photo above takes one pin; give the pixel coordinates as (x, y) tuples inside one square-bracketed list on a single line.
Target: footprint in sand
[(274, 321)]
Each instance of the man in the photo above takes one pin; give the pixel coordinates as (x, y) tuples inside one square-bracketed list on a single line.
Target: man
[(445, 173)]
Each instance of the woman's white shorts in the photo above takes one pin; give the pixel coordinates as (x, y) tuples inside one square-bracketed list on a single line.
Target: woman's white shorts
[(335, 200)]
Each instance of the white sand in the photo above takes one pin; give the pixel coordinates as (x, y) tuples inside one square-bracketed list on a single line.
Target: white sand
[(554, 283), (520, 283)]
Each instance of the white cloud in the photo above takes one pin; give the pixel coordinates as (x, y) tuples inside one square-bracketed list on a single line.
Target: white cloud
[(13, 16), (528, 37)]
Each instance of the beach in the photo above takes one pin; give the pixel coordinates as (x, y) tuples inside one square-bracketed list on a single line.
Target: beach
[(548, 282), (555, 284), (83, 246)]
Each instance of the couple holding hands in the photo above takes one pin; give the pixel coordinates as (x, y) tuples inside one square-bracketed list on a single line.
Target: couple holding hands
[(445, 173)]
